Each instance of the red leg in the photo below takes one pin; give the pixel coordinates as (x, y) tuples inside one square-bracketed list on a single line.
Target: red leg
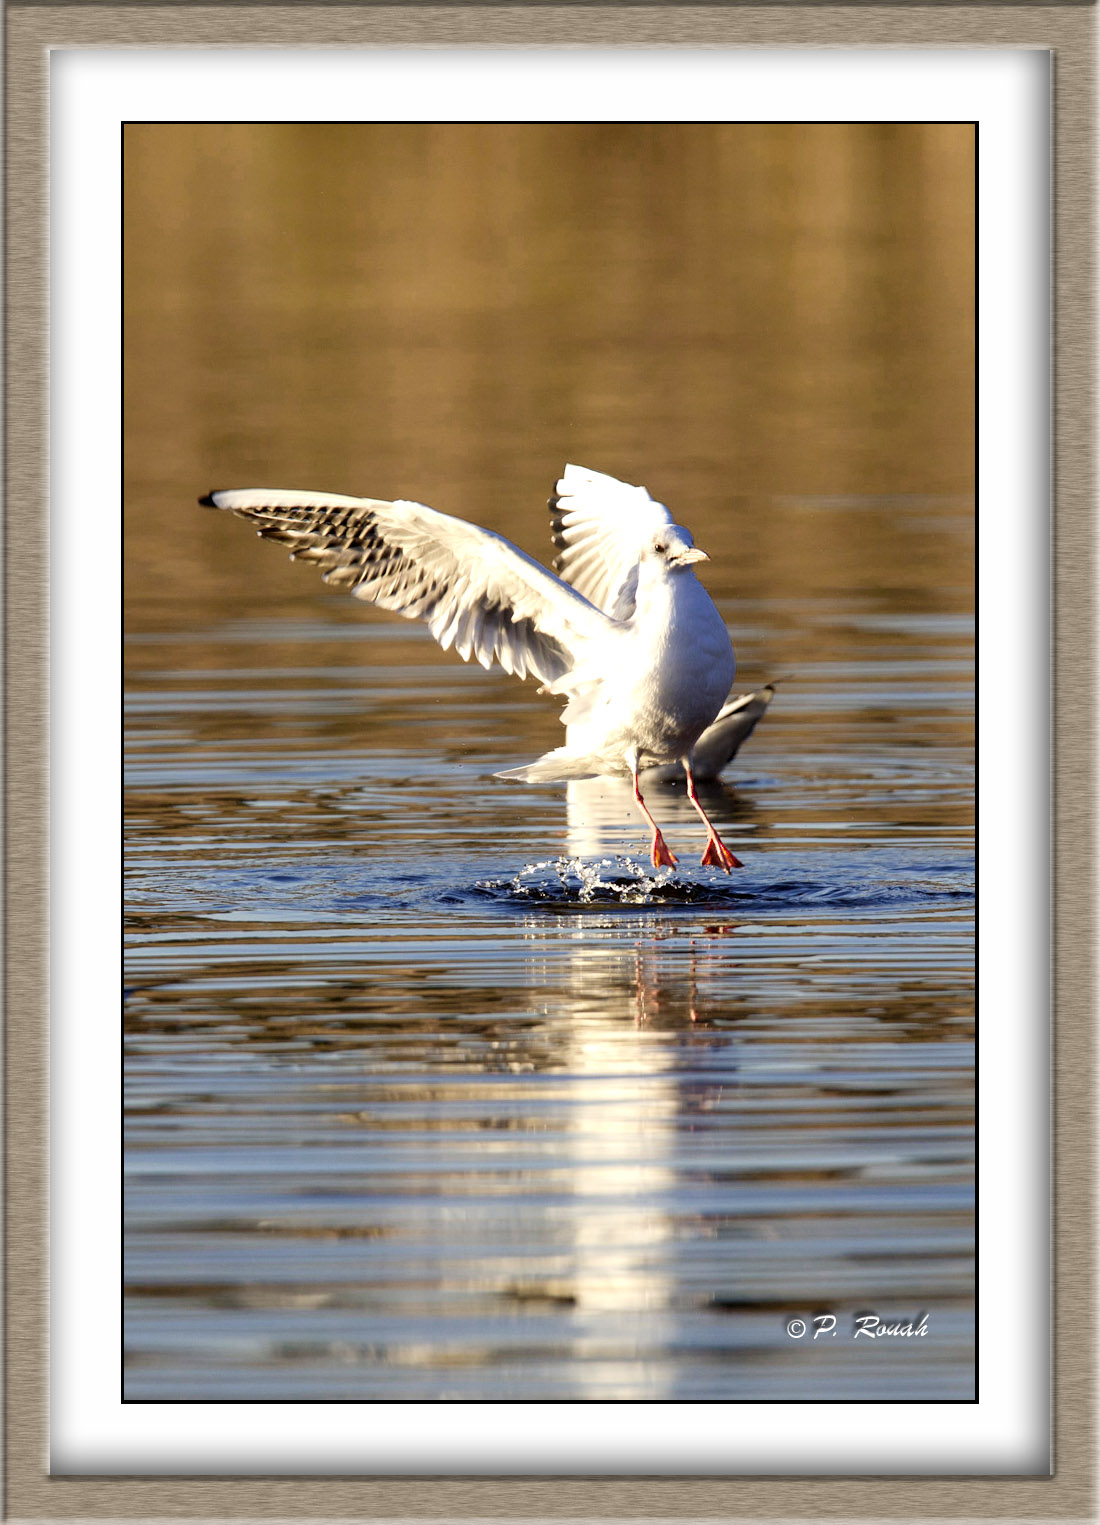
[(660, 854), (716, 854)]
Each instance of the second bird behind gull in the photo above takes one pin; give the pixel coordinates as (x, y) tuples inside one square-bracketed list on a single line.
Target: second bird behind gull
[(626, 633)]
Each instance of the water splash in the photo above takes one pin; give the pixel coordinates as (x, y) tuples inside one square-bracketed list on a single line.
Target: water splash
[(617, 880), (865, 888)]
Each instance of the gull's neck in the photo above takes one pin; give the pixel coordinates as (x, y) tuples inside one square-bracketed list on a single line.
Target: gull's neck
[(662, 590)]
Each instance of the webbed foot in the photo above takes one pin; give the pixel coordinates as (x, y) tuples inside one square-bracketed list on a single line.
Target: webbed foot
[(717, 855)]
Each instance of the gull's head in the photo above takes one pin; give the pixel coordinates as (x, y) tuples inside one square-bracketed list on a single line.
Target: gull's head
[(672, 546)]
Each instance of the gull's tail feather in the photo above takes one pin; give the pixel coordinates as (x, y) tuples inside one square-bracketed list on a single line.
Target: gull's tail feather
[(557, 766)]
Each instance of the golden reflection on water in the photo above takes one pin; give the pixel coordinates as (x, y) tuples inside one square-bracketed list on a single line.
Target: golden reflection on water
[(733, 315)]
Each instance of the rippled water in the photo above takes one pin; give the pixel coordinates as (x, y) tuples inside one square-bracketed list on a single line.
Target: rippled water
[(435, 1090)]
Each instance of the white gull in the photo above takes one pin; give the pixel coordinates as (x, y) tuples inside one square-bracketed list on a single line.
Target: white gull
[(627, 633)]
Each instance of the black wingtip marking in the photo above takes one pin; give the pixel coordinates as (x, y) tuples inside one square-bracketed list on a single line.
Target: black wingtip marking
[(557, 533), (208, 500)]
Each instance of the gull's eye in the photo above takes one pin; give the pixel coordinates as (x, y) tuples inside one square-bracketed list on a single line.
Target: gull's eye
[(660, 547)]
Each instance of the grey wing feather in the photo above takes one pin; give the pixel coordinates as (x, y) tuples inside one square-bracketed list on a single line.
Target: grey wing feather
[(721, 741), (475, 590)]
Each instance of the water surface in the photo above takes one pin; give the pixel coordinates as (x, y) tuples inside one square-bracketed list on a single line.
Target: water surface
[(435, 1089)]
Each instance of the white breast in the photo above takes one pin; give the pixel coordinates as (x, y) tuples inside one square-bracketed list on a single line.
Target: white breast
[(677, 652)]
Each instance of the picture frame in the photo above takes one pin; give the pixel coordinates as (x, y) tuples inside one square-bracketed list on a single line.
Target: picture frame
[(1068, 32)]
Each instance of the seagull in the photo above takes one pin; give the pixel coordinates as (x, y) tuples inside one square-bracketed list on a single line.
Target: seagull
[(626, 632)]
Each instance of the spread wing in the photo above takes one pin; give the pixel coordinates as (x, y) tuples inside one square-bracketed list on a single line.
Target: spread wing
[(599, 526), (475, 590)]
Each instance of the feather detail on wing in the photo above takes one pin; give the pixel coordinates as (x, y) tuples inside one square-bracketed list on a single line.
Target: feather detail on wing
[(475, 590), (599, 525)]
